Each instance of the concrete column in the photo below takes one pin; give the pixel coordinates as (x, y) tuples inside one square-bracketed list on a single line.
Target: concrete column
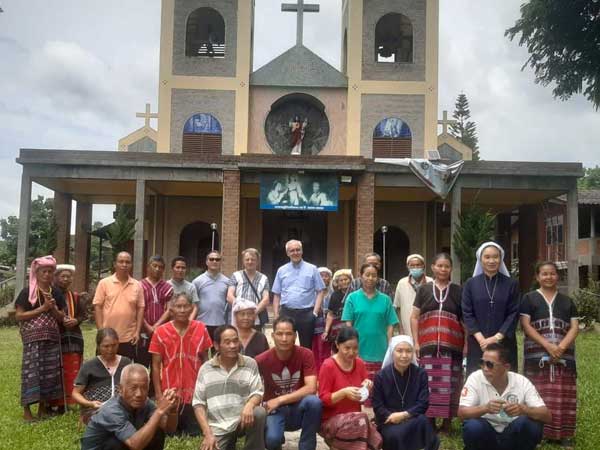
[(138, 239), (592, 221), (83, 240), (528, 245), (455, 210), (159, 225), (230, 221), (572, 238), (365, 218), (23, 236), (62, 213)]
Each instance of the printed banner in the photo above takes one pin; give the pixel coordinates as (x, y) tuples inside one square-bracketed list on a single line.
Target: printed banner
[(306, 192)]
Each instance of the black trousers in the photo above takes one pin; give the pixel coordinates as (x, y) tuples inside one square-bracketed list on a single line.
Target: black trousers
[(305, 323)]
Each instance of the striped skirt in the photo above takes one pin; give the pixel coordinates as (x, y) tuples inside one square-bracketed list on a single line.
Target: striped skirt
[(559, 395), (351, 431), (445, 378), (41, 378), (71, 365)]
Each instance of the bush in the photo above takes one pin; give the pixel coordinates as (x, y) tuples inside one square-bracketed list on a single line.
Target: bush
[(588, 303)]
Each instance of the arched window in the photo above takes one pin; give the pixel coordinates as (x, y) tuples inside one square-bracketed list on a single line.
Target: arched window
[(202, 134), (195, 242), (392, 138), (397, 248), (205, 34), (394, 39)]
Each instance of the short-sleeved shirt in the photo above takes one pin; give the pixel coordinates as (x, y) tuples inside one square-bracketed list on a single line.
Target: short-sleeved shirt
[(114, 420), (186, 287), (332, 378), (534, 305), (243, 287), (181, 356), (479, 391), (120, 303), (370, 317), (298, 285), (224, 393), (156, 297), (284, 377), (212, 293)]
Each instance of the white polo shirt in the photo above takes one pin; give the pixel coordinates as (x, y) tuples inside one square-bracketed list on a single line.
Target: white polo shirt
[(479, 391)]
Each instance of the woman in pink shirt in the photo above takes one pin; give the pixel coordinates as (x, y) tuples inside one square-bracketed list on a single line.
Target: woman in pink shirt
[(343, 386)]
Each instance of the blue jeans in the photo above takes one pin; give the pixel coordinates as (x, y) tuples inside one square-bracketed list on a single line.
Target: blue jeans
[(304, 415), (522, 433)]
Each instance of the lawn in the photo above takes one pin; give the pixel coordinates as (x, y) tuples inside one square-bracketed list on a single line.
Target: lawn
[(63, 432)]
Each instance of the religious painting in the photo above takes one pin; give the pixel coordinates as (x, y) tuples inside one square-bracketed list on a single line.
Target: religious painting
[(392, 127), (297, 125), (202, 124), (301, 192)]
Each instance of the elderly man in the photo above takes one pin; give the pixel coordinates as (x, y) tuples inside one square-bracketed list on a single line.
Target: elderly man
[(211, 286), (383, 285), (406, 290), (228, 395), (298, 292), (180, 284), (131, 420), (119, 304), (501, 410)]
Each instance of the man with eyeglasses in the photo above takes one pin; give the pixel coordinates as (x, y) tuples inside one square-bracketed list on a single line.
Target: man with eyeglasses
[(298, 292), (211, 287), (500, 409)]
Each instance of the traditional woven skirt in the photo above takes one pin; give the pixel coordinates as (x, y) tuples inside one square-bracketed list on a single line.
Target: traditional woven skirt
[(445, 378), (372, 368), (71, 365), (321, 350), (351, 431), (41, 378), (560, 396)]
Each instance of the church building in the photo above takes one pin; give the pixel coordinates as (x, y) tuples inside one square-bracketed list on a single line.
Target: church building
[(296, 149)]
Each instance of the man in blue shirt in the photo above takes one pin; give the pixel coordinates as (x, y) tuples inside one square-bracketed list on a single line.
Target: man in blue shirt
[(298, 292)]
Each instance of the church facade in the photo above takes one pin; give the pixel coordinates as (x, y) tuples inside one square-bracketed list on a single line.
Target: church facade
[(244, 158)]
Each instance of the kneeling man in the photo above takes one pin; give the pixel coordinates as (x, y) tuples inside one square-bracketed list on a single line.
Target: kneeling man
[(228, 395), (290, 386), (131, 420), (501, 410)]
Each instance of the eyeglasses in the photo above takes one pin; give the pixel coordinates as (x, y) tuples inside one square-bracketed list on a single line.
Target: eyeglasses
[(488, 364), (214, 259)]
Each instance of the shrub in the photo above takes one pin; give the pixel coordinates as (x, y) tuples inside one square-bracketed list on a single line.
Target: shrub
[(588, 303)]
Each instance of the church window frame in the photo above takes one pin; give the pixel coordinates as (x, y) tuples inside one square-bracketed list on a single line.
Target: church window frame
[(209, 42), (202, 134), (385, 31), (392, 138)]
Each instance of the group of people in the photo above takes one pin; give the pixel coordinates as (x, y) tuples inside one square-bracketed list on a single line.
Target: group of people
[(199, 350)]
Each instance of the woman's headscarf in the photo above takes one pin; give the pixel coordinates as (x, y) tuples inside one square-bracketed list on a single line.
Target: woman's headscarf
[(415, 256), (389, 354), (241, 304), (479, 266), (340, 273), (43, 261), (62, 267)]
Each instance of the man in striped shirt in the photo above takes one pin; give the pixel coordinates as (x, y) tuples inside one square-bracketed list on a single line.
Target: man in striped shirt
[(228, 396)]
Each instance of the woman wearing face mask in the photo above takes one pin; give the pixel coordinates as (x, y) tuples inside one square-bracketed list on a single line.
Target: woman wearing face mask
[(439, 339), (490, 305), (407, 290), (400, 399)]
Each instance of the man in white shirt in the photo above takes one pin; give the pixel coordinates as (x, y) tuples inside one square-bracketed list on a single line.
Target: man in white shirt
[(501, 410)]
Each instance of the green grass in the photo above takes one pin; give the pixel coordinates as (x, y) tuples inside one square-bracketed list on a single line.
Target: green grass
[(63, 433)]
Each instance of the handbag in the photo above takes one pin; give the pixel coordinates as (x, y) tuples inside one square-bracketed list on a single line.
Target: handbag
[(263, 316)]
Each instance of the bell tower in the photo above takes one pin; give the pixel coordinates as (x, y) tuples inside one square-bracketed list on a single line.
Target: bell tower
[(205, 66), (390, 55)]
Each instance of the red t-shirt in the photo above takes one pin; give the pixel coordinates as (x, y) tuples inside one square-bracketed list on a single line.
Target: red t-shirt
[(331, 379), (181, 356), (285, 377)]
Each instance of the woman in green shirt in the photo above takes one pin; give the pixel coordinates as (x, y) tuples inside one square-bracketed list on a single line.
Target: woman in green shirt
[(372, 314)]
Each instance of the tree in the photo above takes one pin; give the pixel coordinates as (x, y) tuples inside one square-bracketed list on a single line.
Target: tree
[(122, 230), (42, 232), (591, 179), (476, 227), (465, 130), (563, 40)]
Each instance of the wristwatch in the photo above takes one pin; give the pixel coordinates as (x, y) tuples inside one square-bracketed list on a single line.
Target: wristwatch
[(498, 337)]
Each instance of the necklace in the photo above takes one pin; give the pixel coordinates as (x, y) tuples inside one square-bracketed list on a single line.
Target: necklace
[(396, 383), (491, 296), (443, 297)]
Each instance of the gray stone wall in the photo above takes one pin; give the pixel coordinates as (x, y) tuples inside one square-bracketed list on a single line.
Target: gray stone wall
[(187, 102), (144, 145), (375, 108), (204, 66), (415, 10)]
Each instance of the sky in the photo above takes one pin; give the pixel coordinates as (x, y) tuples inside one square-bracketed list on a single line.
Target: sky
[(74, 73)]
